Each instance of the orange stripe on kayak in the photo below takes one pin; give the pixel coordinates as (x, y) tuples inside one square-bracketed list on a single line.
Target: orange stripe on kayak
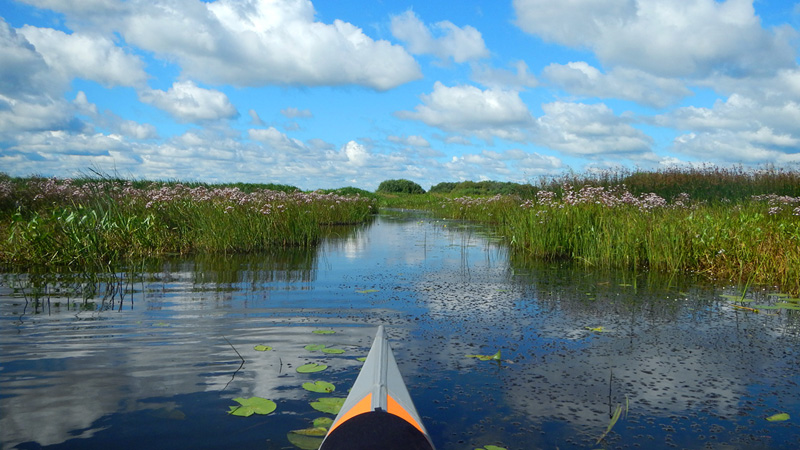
[(364, 405), (396, 409)]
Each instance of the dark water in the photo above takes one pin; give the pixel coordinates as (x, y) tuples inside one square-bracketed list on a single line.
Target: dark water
[(158, 366)]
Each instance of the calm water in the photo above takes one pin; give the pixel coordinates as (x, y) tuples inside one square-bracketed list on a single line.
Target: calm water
[(158, 366)]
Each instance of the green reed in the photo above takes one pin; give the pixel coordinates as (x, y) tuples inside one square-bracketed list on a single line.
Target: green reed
[(754, 237), (96, 224)]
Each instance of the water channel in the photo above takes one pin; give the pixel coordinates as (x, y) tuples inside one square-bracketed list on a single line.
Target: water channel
[(154, 359)]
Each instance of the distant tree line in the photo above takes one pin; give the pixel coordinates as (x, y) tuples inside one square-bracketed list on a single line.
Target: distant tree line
[(708, 183), (400, 186)]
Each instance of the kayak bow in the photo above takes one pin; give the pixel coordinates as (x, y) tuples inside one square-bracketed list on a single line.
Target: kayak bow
[(378, 412)]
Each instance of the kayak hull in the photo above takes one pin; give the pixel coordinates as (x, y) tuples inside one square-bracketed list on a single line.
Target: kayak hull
[(378, 413)]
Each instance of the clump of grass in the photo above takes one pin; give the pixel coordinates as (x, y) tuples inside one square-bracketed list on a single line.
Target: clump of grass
[(59, 222)]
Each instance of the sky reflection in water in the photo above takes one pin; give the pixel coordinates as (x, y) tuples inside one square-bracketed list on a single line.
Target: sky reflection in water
[(158, 372)]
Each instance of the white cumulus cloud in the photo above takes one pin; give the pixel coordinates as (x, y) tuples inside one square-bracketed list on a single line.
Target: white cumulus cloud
[(664, 37), (470, 110), (187, 102), (505, 79), (356, 154), (589, 130), (257, 42), (84, 56), (459, 43), (580, 78)]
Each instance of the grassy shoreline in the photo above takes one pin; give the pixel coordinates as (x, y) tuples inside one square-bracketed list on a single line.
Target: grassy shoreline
[(100, 223), (721, 225)]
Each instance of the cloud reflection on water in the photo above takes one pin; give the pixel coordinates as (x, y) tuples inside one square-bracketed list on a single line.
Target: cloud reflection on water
[(679, 355)]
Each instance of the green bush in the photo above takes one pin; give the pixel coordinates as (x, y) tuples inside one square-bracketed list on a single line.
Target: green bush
[(400, 187), (486, 188)]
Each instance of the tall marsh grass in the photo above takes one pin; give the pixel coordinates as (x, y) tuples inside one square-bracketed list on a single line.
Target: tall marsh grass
[(729, 227), (55, 222)]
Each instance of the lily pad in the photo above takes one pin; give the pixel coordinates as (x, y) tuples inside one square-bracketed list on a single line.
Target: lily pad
[(328, 405), (304, 442), (319, 386), (323, 332), (333, 351), (324, 422), (314, 431), (311, 368), (778, 417), (367, 291), (496, 357), (253, 405), (262, 348), (361, 358), (314, 347), (599, 329)]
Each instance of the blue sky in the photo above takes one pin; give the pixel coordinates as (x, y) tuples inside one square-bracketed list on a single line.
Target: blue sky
[(350, 93)]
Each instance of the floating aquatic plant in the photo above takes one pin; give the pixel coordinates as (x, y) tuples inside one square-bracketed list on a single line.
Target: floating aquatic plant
[(310, 438), (262, 348), (332, 351), (313, 431), (253, 405), (319, 386), (314, 347), (304, 441), (311, 368), (367, 291), (324, 422), (328, 405), (496, 357), (781, 417), (323, 332)]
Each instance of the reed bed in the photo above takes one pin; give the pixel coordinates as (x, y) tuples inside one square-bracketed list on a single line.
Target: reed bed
[(53, 222), (726, 224)]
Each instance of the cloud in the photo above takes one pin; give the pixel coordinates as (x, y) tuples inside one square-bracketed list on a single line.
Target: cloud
[(738, 112), (93, 58), (514, 165), (247, 42), (19, 117), (589, 130), (295, 113), (255, 43), (254, 118), (412, 141), (504, 79), (731, 147), (580, 78), (356, 153), (472, 111), (187, 102), (24, 73), (740, 129), (460, 44), (276, 140), (668, 38)]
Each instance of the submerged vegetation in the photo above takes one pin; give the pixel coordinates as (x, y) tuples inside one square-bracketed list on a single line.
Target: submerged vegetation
[(96, 223), (724, 224)]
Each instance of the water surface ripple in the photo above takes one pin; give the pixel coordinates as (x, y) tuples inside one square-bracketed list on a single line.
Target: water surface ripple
[(159, 367)]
